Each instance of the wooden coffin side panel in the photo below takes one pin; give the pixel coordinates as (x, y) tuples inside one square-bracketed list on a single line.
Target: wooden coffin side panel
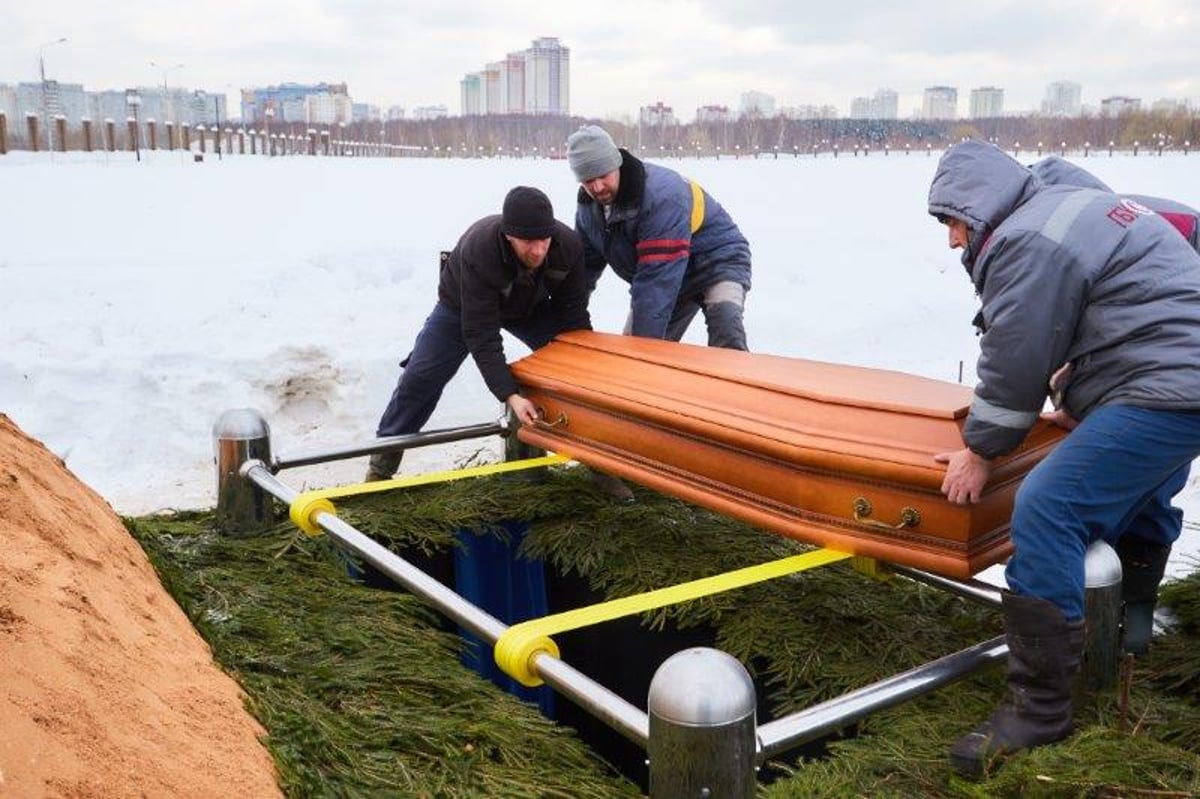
[(833, 455), (958, 562), (811, 505), (833, 436)]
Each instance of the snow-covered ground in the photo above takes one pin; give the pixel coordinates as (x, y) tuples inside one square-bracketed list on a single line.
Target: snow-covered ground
[(141, 300)]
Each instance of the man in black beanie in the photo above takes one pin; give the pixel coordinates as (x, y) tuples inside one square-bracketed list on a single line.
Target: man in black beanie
[(520, 271)]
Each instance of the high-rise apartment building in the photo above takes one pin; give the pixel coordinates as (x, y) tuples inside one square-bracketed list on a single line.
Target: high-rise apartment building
[(1117, 105), (287, 101), (987, 102), (657, 115), (328, 109), (112, 104), (512, 83), (712, 113), (532, 81), (426, 112), (492, 98), (203, 108), (471, 94), (548, 77), (1063, 99), (885, 104), (860, 108), (1169, 105), (809, 112), (940, 102), (757, 105), (48, 100)]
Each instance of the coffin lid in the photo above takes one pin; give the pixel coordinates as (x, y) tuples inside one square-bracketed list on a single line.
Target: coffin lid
[(830, 383)]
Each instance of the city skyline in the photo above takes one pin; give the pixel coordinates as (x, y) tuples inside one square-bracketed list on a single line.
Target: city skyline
[(685, 54)]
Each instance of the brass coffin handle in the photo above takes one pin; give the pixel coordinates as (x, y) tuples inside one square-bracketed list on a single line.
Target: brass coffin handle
[(909, 517), (541, 422)]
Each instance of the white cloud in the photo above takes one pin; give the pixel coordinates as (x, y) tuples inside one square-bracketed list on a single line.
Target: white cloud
[(624, 53)]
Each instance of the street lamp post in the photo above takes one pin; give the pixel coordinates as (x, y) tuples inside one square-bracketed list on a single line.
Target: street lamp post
[(217, 126), (167, 93), (134, 100), (42, 76), (268, 146)]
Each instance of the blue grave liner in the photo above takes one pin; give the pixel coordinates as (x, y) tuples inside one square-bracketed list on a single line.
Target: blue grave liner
[(490, 573)]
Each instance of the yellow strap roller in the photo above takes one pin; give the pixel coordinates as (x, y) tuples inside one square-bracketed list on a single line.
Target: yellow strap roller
[(304, 507), (519, 644)]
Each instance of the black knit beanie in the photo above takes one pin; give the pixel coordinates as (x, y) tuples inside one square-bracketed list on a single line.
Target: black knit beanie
[(527, 214)]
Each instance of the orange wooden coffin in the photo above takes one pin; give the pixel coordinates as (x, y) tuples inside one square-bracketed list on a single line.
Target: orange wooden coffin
[(838, 456)]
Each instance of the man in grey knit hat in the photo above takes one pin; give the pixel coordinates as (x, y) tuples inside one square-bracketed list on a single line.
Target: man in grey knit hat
[(675, 245)]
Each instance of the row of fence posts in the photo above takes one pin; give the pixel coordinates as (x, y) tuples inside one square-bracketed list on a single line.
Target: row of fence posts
[(181, 137), (319, 142)]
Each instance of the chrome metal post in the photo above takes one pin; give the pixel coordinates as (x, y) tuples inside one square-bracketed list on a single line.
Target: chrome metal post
[(1102, 609), (239, 436), (702, 741)]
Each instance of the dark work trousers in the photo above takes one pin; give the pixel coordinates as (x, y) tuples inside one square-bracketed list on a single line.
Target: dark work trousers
[(1114, 475), (723, 305), (434, 360)]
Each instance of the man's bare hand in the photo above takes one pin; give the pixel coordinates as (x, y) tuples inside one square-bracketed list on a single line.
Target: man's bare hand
[(1061, 418), (966, 474), (525, 411)]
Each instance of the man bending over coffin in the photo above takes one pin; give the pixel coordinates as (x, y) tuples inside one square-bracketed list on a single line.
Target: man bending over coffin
[(1094, 298), (676, 247), (520, 271)]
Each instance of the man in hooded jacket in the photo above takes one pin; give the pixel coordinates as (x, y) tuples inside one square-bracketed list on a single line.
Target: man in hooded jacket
[(1143, 560), (1095, 299)]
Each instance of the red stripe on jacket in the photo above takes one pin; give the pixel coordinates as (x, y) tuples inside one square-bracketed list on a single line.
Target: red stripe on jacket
[(654, 244), (665, 256), (1184, 223)]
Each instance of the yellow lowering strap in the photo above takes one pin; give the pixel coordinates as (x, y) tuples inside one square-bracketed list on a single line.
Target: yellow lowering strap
[(520, 643), (304, 508), (697, 206)]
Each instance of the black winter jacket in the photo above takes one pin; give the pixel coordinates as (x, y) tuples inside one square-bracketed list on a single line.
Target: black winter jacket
[(491, 289)]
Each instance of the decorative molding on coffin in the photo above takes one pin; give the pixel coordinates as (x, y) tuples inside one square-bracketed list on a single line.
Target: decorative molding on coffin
[(743, 434)]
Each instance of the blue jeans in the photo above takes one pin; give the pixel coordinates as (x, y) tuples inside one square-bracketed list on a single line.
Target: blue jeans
[(1114, 475), (438, 352)]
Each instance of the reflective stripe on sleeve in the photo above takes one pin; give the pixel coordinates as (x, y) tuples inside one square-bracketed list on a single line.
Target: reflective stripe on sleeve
[(985, 411)]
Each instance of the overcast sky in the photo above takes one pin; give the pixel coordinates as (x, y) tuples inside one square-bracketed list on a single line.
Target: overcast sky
[(624, 53)]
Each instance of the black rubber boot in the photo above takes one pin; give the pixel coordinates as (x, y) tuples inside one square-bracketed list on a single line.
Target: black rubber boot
[(1044, 653), (382, 466), (1142, 565)]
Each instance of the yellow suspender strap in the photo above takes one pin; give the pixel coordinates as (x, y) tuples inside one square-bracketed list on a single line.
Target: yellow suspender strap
[(519, 644), (697, 206), (305, 506)]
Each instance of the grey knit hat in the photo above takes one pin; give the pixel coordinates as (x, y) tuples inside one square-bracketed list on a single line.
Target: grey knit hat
[(591, 153)]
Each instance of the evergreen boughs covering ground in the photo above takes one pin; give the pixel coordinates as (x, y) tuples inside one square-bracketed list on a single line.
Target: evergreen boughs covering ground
[(363, 694)]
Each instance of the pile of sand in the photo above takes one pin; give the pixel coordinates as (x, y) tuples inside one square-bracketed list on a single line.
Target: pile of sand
[(105, 687)]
